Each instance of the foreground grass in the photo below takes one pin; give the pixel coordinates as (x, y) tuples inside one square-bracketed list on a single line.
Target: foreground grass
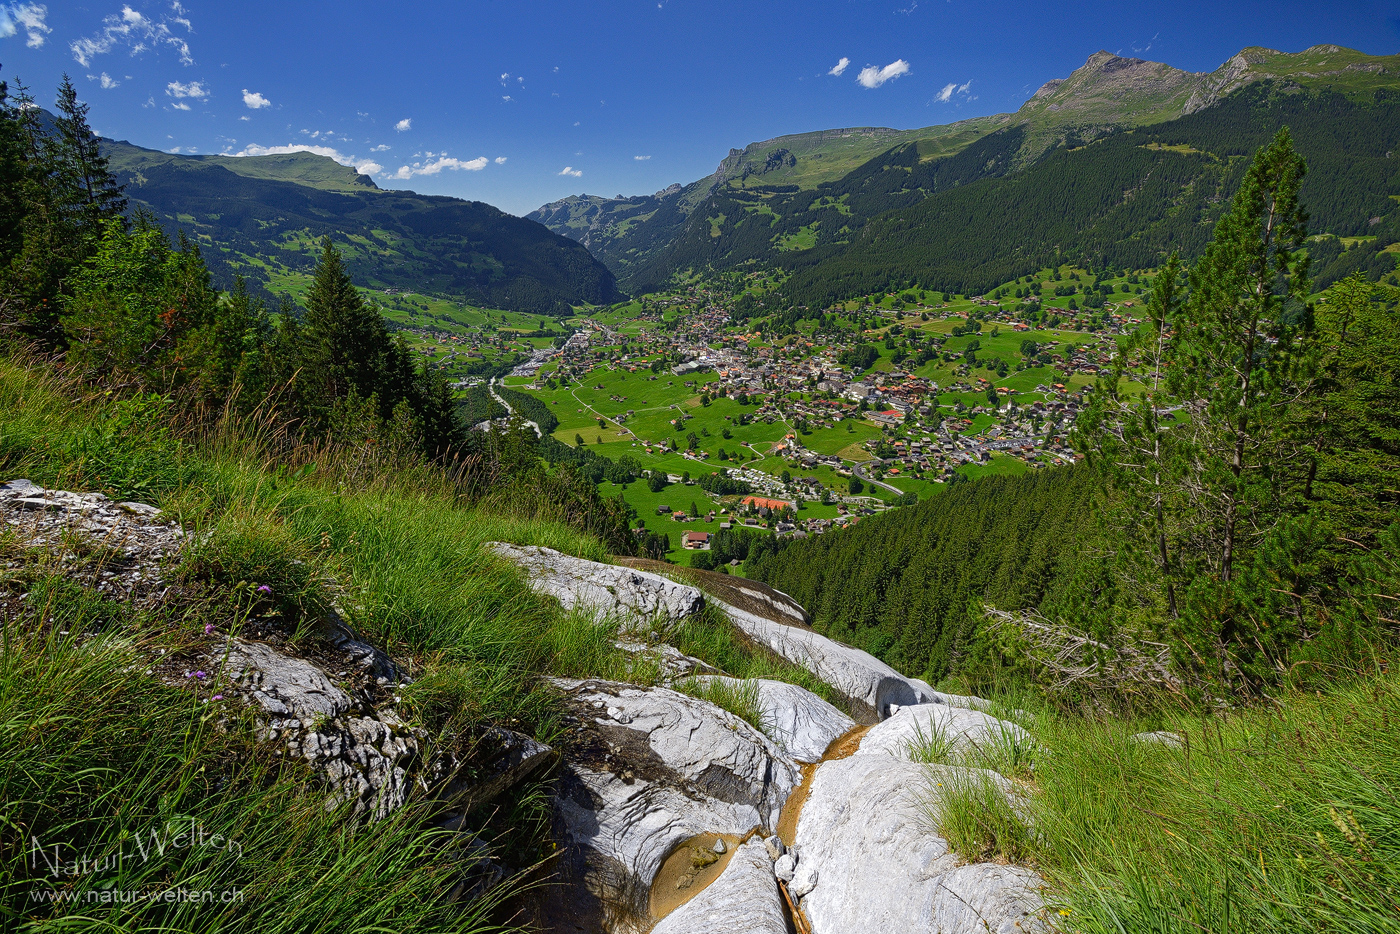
[(1275, 819), (94, 751)]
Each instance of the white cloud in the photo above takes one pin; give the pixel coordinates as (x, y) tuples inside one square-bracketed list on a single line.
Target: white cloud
[(369, 168), (500, 160), (137, 32), (945, 95), (382, 147), (194, 90), (641, 158), (440, 163), (105, 80), (404, 124), (570, 170), (872, 77), (506, 97), (253, 100), (180, 105), (27, 16), (505, 76), (840, 66)]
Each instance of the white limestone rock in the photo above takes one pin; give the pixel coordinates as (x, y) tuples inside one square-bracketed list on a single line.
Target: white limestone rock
[(743, 899), (859, 675), (963, 730), (127, 544), (800, 722), (1167, 738), (607, 590), (647, 769), (872, 862), (671, 661)]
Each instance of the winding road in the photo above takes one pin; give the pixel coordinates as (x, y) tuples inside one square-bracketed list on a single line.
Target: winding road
[(856, 469), (491, 388)]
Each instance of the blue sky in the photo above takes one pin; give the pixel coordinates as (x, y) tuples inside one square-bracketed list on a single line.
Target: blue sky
[(519, 103)]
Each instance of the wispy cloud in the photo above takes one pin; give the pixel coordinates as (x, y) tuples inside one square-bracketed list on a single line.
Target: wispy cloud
[(254, 100), (105, 80), (571, 171), (439, 164), (500, 160), (137, 32), (29, 17), (382, 147), (194, 90), (405, 124), (872, 77), (946, 95), (641, 158), (840, 67)]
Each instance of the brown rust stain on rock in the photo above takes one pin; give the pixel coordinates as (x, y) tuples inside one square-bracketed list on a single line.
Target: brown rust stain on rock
[(691, 867), (841, 747)]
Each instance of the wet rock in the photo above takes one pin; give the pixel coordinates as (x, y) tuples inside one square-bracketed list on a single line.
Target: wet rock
[(607, 590), (873, 863), (743, 899), (645, 770)]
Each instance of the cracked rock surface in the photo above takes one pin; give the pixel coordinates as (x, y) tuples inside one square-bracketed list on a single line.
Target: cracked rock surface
[(604, 589), (744, 898), (116, 548), (649, 768)]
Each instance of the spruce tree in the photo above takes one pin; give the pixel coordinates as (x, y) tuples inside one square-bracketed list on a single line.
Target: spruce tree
[(344, 341), (91, 193)]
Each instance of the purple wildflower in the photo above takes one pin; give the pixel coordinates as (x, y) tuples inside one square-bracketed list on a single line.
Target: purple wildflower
[(201, 675), (264, 589), (218, 697), (208, 629)]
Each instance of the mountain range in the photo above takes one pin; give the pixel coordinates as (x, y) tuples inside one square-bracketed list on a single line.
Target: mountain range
[(263, 217), (810, 202)]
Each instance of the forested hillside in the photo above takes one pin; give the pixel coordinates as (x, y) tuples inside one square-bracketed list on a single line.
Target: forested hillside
[(1124, 201), (776, 202), (1237, 523), (261, 222), (906, 586)]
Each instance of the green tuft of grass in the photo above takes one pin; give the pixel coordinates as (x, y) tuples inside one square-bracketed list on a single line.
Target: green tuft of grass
[(972, 812), (738, 697)]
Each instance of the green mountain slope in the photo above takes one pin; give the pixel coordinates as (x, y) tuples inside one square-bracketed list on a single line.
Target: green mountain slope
[(304, 168), (791, 184), (262, 217), (1125, 200)]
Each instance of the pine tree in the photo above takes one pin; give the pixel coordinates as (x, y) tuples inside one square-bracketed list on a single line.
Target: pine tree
[(91, 193), (1130, 440), (344, 341)]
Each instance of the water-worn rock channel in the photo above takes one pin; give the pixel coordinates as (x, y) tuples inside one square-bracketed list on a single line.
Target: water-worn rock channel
[(675, 816), (671, 814)]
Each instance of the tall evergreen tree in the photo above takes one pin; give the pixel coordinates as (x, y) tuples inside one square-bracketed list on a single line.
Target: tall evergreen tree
[(92, 193), (345, 343)]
